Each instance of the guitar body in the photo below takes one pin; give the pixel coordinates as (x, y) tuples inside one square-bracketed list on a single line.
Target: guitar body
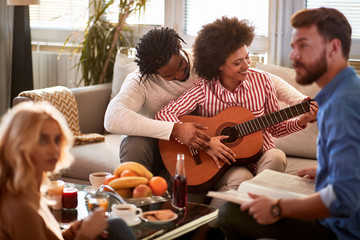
[(201, 176)]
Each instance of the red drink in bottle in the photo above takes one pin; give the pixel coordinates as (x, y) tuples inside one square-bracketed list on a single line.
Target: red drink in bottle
[(180, 185), (179, 191)]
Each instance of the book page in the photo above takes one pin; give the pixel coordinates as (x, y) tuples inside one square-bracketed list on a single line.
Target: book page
[(273, 193), (230, 196), (282, 181), (271, 183)]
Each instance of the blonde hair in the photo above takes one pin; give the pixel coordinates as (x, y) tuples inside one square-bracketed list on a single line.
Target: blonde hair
[(19, 133)]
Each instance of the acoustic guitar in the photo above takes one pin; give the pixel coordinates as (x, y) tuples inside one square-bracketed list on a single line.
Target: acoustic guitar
[(245, 140)]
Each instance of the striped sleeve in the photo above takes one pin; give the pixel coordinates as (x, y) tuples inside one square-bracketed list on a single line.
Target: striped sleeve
[(272, 105), (185, 104)]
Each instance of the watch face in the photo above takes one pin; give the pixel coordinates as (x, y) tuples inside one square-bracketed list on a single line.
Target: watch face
[(275, 210)]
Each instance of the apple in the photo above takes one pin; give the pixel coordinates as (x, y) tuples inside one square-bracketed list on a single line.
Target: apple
[(142, 191), (125, 192)]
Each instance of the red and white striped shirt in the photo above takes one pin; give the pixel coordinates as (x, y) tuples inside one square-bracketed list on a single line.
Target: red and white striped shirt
[(208, 98)]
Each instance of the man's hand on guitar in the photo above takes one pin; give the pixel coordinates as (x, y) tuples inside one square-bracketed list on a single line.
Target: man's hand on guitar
[(218, 151), (309, 116), (190, 134)]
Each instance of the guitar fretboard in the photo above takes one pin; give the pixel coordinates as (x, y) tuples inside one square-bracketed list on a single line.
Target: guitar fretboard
[(271, 119)]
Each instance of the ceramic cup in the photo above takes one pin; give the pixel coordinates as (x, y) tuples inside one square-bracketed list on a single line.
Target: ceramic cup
[(128, 212), (97, 178)]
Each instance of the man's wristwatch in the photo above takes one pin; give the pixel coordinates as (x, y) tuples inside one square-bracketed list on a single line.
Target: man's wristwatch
[(275, 208)]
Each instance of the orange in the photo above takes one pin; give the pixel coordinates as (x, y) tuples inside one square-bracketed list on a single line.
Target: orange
[(109, 179), (158, 185), (128, 173)]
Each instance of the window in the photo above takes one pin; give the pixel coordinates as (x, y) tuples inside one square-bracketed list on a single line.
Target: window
[(54, 20), (73, 14), (200, 12), (154, 14), (195, 13), (59, 14), (350, 8)]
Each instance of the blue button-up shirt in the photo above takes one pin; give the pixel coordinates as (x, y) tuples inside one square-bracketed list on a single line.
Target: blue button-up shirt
[(338, 175)]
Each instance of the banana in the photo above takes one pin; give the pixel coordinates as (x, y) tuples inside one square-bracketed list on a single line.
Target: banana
[(127, 182), (133, 166), (125, 192)]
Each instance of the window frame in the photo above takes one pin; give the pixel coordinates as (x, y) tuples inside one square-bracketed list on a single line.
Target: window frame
[(174, 19)]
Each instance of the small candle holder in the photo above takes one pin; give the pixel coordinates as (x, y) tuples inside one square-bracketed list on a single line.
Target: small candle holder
[(69, 198), (54, 194)]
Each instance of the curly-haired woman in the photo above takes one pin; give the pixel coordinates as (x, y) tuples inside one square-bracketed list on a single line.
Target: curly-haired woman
[(221, 61)]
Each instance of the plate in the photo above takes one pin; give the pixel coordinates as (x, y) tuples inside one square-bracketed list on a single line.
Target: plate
[(136, 222), (90, 189), (157, 221)]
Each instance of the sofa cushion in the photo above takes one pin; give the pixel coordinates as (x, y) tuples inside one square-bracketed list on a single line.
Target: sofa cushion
[(100, 157), (122, 67), (294, 164), (302, 143)]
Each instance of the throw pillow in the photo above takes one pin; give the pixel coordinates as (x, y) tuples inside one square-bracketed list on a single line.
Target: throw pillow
[(122, 67)]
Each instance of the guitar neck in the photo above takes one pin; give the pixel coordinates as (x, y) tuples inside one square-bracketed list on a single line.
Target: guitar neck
[(271, 119)]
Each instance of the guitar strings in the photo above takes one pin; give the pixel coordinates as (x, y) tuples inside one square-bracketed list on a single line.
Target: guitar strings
[(257, 125)]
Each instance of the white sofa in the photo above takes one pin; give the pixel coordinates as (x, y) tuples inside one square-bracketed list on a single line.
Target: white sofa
[(92, 101)]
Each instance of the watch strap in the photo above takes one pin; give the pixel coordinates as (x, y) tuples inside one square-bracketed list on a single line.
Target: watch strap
[(275, 208)]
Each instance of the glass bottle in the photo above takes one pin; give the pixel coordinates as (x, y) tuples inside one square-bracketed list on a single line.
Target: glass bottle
[(180, 186)]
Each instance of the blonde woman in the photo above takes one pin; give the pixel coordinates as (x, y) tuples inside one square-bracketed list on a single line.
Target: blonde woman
[(35, 141)]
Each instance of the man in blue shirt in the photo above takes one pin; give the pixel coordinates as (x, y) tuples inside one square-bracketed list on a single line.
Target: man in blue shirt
[(321, 44)]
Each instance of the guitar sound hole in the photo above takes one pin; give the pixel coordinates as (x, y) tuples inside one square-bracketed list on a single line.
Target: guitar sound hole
[(232, 133)]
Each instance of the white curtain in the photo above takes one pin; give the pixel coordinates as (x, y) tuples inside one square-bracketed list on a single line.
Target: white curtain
[(280, 30), (6, 16)]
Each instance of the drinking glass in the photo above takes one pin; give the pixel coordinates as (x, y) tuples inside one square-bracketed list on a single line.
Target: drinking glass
[(95, 200)]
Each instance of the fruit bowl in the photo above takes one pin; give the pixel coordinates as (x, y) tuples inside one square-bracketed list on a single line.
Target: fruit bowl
[(136, 201), (135, 184)]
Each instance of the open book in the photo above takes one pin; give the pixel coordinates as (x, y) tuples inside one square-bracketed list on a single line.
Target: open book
[(270, 183)]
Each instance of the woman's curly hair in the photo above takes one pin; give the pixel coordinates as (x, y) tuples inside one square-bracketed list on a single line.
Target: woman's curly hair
[(216, 41), (155, 50)]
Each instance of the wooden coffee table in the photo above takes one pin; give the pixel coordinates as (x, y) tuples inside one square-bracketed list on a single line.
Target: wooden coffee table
[(194, 216)]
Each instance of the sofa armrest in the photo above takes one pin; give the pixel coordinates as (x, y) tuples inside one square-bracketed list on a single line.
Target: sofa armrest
[(18, 100), (92, 102)]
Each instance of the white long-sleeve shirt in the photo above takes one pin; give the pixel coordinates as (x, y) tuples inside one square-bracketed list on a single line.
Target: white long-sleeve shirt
[(132, 110)]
